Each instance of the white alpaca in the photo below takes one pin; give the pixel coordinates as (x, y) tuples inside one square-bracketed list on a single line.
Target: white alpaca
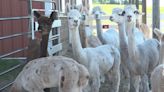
[(157, 76), (108, 37), (56, 71), (117, 17), (143, 58), (101, 60)]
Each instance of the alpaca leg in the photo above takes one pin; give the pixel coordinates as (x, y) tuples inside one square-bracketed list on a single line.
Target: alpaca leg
[(134, 83), (125, 79), (144, 83), (114, 74), (95, 77)]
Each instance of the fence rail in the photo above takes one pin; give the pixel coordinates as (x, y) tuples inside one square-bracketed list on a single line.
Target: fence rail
[(15, 18)]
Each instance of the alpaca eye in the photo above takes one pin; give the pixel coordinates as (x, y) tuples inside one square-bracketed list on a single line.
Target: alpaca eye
[(69, 18), (136, 12), (123, 13)]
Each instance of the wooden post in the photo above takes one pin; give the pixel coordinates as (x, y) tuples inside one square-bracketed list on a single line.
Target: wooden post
[(130, 1), (133, 1), (137, 4), (144, 11), (156, 16)]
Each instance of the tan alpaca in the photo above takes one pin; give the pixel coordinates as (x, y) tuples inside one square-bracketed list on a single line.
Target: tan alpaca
[(99, 61), (144, 57), (157, 76), (144, 28), (86, 36), (55, 71)]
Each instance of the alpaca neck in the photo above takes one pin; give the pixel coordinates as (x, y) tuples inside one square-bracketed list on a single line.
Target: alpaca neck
[(131, 41), (161, 57), (122, 36), (99, 30), (76, 45), (44, 45)]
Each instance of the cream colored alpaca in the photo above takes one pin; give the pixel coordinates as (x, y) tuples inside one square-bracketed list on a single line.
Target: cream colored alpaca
[(117, 17), (108, 37), (157, 76), (143, 58), (56, 71), (101, 60)]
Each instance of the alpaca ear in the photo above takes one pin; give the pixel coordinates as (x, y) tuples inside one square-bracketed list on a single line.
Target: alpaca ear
[(37, 14), (158, 33), (53, 16), (67, 7)]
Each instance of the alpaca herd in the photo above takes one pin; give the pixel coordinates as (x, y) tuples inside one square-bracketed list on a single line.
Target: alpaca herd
[(129, 57)]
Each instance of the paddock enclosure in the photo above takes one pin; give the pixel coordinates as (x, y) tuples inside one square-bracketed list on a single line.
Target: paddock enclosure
[(18, 25)]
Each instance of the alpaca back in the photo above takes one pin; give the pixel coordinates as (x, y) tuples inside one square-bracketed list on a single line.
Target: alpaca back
[(149, 53)]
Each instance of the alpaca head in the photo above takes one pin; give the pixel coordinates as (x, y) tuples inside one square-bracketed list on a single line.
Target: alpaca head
[(117, 15), (97, 12), (45, 23), (159, 34), (130, 13), (74, 17)]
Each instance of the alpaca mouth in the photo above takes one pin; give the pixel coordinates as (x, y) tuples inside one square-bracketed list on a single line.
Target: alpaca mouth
[(129, 19), (75, 24)]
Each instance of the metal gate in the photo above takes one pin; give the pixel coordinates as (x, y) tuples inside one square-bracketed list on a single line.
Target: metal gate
[(13, 38)]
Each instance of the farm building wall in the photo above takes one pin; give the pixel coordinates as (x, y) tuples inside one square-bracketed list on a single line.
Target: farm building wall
[(14, 8)]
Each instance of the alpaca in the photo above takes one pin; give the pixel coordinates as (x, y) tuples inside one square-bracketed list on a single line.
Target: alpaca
[(157, 76), (85, 30), (53, 71), (86, 36), (143, 58), (143, 27), (108, 37), (45, 25), (117, 17), (100, 60)]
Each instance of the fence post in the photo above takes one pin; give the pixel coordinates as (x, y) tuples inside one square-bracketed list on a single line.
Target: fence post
[(144, 20), (156, 15)]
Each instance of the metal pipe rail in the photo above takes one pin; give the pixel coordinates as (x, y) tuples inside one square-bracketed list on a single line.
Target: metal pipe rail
[(15, 18), (14, 35), (16, 51), (7, 85), (11, 69), (44, 1)]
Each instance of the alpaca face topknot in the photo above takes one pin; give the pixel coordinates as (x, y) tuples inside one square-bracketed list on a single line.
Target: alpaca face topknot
[(74, 18), (97, 12), (117, 15), (130, 13)]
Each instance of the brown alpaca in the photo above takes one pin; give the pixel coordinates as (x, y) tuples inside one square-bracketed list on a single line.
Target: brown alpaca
[(38, 48), (55, 71), (45, 25)]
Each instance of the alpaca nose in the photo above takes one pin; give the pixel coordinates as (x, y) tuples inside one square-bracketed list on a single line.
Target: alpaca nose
[(75, 21), (129, 16)]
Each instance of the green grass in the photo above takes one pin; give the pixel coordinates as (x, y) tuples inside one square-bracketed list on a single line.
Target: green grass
[(10, 76), (6, 64), (108, 8)]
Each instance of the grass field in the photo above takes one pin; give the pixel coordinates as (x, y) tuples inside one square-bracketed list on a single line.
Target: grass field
[(108, 8), (10, 76)]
